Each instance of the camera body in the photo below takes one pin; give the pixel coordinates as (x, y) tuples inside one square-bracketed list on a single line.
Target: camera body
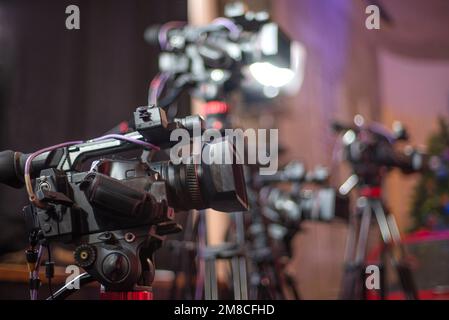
[(213, 59), (116, 194), (287, 208), (371, 150), (89, 202)]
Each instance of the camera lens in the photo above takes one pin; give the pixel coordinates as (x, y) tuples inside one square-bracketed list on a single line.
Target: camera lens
[(209, 183)]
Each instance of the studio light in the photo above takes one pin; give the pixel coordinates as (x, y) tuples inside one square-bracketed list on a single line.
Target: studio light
[(270, 75)]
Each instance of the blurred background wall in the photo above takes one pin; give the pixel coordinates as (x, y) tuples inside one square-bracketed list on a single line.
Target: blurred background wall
[(399, 72), (64, 84)]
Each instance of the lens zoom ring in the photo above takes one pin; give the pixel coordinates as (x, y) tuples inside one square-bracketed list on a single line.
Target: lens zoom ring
[(193, 186)]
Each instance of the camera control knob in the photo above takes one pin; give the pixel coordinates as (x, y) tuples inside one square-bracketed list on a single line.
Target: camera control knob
[(85, 255)]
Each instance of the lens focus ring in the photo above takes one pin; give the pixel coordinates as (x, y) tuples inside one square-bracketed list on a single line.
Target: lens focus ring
[(193, 186)]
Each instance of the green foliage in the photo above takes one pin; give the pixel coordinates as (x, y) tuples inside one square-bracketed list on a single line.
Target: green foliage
[(430, 202)]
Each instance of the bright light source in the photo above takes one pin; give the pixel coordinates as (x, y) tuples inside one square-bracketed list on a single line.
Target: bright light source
[(269, 75), (298, 66), (359, 120), (217, 75), (349, 137), (270, 92)]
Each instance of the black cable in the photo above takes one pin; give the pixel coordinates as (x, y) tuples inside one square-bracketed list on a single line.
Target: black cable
[(181, 86), (165, 102)]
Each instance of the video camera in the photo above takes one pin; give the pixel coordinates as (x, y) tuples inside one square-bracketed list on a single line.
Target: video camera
[(229, 53), (299, 204), (107, 211), (287, 199), (370, 149)]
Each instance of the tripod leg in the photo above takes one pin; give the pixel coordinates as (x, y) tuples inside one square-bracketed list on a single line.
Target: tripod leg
[(276, 284), (384, 228), (406, 278), (291, 283), (210, 283), (346, 282), (403, 268), (353, 284), (383, 274), (238, 266), (213, 278), (390, 235), (395, 234), (241, 261), (236, 278), (382, 222), (362, 244), (363, 235), (243, 278), (207, 281), (351, 238)]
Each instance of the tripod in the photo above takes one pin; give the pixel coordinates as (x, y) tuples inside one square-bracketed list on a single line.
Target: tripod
[(269, 254), (265, 279), (234, 252), (369, 203)]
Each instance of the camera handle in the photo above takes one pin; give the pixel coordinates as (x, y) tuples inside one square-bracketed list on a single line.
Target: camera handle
[(69, 288), (85, 278)]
